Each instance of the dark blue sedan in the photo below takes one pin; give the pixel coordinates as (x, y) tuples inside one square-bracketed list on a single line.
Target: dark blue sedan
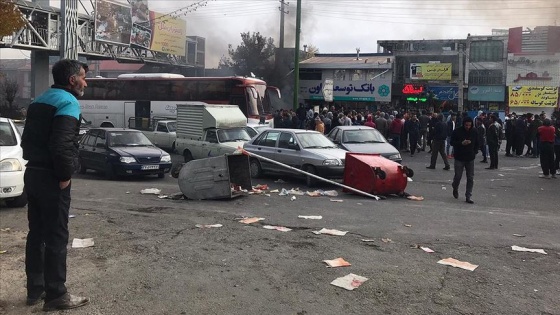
[(119, 152)]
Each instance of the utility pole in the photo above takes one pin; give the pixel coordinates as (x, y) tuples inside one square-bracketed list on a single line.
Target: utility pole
[(460, 106), (69, 29), (282, 13), (296, 55)]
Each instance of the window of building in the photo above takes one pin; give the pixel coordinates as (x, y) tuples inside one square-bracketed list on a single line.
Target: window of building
[(486, 77), (310, 74), (340, 75), (489, 50)]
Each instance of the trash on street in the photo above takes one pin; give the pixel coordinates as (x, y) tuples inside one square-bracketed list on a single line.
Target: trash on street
[(407, 225), (71, 216), (387, 240), (153, 191), (207, 226), (349, 282), (3, 251), (251, 220), (531, 250), (310, 217), (277, 228), (274, 191), (337, 262), (293, 198), (367, 240), (427, 249), (5, 230), (331, 232), (458, 264), (519, 235), (82, 243), (337, 200), (415, 198)]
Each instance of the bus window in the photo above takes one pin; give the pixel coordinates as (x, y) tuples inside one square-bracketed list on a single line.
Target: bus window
[(252, 102)]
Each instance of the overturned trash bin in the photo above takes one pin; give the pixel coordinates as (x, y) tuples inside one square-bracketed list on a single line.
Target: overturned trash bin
[(219, 177), (375, 174)]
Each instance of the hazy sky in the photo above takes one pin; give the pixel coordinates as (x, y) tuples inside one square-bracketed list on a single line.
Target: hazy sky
[(341, 26)]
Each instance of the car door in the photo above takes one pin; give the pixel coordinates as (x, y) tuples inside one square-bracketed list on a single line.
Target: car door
[(161, 135), (86, 147), (99, 152), (289, 151), (265, 146)]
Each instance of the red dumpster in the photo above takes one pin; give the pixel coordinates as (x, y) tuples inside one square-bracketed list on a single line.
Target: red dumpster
[(375, 174)]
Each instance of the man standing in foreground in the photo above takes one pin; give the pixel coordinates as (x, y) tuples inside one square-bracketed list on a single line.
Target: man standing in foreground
[(49, 144), (465, 147)]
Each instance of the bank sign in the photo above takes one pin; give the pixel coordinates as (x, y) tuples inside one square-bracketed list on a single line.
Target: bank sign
[(378, 90), (487, 93)]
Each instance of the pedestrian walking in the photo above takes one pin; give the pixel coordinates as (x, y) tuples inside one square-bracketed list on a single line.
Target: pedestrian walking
[(493, 140), (464, 140), (50, 145), (546, 135), (438, 143)]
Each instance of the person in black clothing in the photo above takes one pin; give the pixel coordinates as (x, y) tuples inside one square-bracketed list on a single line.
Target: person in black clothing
[(464, 140), (431, 129), (493, 140), (510, 130), (438, 143), (301, 115), (413, 134), (519, 135), (50, 145)]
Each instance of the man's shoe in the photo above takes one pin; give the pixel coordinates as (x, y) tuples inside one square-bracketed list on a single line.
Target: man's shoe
[(431, 167), (447, 168), (455, 194), (490, 168), (484, 161), (65, 302), (553, 176), (469, 200), (32, 300), (544, 176)]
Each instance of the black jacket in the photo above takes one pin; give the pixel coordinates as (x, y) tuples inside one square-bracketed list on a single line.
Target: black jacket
[(50, 135), (464, 153), (440, 131)]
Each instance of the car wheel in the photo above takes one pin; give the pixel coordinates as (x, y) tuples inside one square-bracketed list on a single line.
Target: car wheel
[(188, 156), (255, 168), (83, 168), (18, 202), (310, 181), (110, 172), (161, 175)]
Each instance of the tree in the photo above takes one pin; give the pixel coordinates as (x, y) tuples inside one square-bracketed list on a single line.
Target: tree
[(11, 18), (11, 88), (311, 51), (8, 92), (253, 56)]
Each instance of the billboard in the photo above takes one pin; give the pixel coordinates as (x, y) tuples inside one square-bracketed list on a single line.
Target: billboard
[(445, 93), (430, 71), (533, 69), (489, 93), (168, 34), (113, 22), (533, 96), (378, 90)]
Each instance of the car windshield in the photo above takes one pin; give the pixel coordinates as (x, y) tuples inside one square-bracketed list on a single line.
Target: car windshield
[(7, 135), (314, 141), (233, 134), (128, 139), (369, 135), (172, 126)]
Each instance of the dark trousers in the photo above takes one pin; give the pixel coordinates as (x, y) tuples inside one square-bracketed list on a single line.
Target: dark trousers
[(396, 142), (424, 136), (493, 152), (509, 145), (547, 158), (483, 151), (557, 159), (438, 146), (468, 166), (45, 252), (519, 144), (413, 143)]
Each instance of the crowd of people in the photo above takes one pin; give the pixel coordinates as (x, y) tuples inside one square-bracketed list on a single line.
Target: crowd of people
[(526, 135)]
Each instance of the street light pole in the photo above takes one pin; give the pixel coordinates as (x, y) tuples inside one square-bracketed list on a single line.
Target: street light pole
[(296, 55)]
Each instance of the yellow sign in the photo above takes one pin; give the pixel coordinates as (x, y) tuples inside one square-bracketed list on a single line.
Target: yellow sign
[(533, 96), (168, 34), (430, 71)]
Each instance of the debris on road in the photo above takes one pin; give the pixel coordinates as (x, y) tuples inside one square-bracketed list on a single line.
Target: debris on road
[(367, 240), (70, 216), (457, 264), (3, 251), (207, 226), (5, 230), (330, 232), (443, 188), (387, 240), (153, 191), (274, 191), (415, 198), (427, 249), (337, 262), (277, 228), (519, 235), (251, 220), (310, 217), (293, 198), (337, 200), (531, 250), (163, 196), (292, 191), (82, 243), (349, 282), (260, 187), (407, 225)]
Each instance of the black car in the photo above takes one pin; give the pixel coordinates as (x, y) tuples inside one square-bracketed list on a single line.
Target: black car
[(120, 151)]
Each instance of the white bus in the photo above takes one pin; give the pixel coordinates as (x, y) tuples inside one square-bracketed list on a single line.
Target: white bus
[(110, 102)]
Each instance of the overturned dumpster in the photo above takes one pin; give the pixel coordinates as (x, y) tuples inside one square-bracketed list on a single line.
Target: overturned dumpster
[(221, 177)]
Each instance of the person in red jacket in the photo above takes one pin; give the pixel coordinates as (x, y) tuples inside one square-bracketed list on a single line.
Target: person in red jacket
[(546, 134), (395, 130), (369, 122)]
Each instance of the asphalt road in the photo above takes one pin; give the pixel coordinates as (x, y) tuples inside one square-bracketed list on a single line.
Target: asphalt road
[(149, 258)]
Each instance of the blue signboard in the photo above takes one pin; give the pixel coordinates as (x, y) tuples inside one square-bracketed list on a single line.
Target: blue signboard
[(489, 93), (445, 93)]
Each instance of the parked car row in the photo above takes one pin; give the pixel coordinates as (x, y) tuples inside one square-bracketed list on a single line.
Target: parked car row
[(12, 165)]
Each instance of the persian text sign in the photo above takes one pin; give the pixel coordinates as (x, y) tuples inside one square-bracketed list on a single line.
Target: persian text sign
[(533, 70), (168, 34), (487, 93), (430, 71), (533, 96), (368, 91)]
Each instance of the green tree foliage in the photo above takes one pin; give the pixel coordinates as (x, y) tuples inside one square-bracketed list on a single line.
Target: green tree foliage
[(254, 55), (11, 18)]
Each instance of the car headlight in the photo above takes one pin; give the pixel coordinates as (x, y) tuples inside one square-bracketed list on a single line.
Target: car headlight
[(395, 157), (331, 162), (10, 165), (128, 159), (166, 158)]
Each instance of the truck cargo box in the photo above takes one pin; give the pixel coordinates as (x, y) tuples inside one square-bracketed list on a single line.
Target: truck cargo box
[(194, 117)]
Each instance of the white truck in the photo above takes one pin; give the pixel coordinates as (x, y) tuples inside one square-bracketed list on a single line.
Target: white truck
[(206, 130), (160, 131)]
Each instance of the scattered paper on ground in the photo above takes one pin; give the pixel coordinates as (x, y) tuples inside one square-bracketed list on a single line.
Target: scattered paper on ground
[(207, 226), (3, 251), (349, 282), (313, 193), (408, 225), (387, 240), (416, 198), (163, 196), (81, 243), (277, 228), (5, 230), (251, 220), (337, 200), (331, 232), (408, 179), (531, 250), (293, 198), (310, 217), (337, 262), (443, 188), (367, 240), (458, 264), (292, 191), (427, 249), (153, 191), (261, 187), (274, 191), (71, 216), (519, 235)]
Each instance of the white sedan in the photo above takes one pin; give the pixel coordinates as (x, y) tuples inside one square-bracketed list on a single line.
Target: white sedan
[(12, 165)]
